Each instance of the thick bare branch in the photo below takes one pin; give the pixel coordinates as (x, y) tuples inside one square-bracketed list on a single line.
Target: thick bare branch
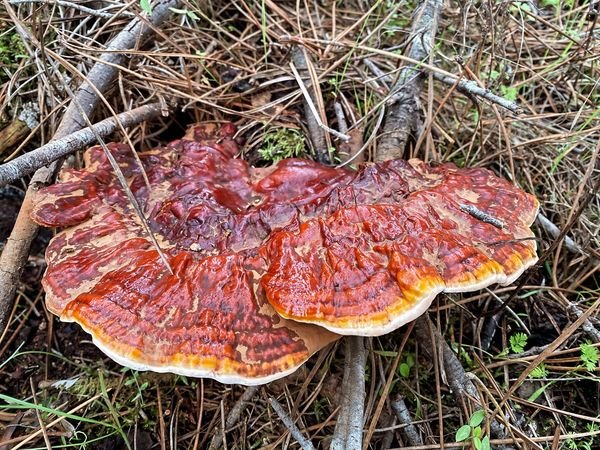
[(460, 384), (349, 427), (410, 431), (98, 81), (32, 161), (471, 87), (403, 113)]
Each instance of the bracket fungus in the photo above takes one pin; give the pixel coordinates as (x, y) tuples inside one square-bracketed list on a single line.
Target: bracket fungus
[(269, 264)]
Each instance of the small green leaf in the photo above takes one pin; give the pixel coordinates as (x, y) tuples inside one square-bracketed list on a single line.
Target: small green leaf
[(494, 75), (503, 353), (539, 391), (146, 6), (404, 370), (477, 432), (477, 443), (509, 93), (485, 443), (410, 360), (539, 372), (463, 433), (192, 15), (476, 418)]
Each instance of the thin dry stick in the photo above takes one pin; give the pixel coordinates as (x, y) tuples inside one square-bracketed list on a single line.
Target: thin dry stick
[(56, 149), (36, 433), (386, 388), (39, 417), (125, 186), (101, 76), (349, 427), (305, 444), (471, 87), (554, 231), (84, 9), (402, 116), (567, 332), (501, 443), (234, 416), (313, 109), (460, 384), (317, 133), (587, 326)]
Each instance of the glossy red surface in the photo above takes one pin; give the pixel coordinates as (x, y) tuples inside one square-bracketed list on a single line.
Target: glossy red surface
[(347, 250)]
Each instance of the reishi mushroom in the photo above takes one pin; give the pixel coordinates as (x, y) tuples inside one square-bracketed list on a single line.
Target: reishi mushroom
[(269, 264)]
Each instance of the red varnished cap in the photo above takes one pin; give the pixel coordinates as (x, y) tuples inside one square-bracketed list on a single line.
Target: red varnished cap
[(354, 252)]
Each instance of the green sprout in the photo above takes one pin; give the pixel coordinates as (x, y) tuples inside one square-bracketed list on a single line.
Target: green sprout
[(539, 372), (474, 432), (146, 6), (517, 342), (589, 355), (404, 368)]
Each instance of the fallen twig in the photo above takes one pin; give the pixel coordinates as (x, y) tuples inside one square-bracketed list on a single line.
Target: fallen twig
[(305, 444), (123, 182), (234, 416), (349, 426), (587, 326), (554, 231), (56, 149), (410, 431), (383, 77), (84, 9), (316, 124), (402, 116), (313, 118), (99, 79), (471, 87)]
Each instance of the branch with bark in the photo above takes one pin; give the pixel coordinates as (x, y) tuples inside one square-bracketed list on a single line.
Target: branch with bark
[(87, 97), (58, 148), (402, 118)]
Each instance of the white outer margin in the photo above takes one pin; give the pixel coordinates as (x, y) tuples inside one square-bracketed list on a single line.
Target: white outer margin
[(421, 307), (188, 372)]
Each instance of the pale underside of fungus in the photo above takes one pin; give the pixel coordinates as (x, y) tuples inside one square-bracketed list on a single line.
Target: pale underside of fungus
[(269, 264)]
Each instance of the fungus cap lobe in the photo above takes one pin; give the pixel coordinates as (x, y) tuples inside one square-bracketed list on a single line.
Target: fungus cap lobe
[(409, 244), (210, 318)]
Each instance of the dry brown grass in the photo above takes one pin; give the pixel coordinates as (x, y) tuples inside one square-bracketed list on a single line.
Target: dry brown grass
[(230, 61)]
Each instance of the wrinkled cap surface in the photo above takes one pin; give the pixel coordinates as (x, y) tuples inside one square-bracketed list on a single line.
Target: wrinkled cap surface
[(261, 254)]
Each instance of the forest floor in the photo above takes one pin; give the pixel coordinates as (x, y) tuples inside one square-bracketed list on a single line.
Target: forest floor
[(535, 373)]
